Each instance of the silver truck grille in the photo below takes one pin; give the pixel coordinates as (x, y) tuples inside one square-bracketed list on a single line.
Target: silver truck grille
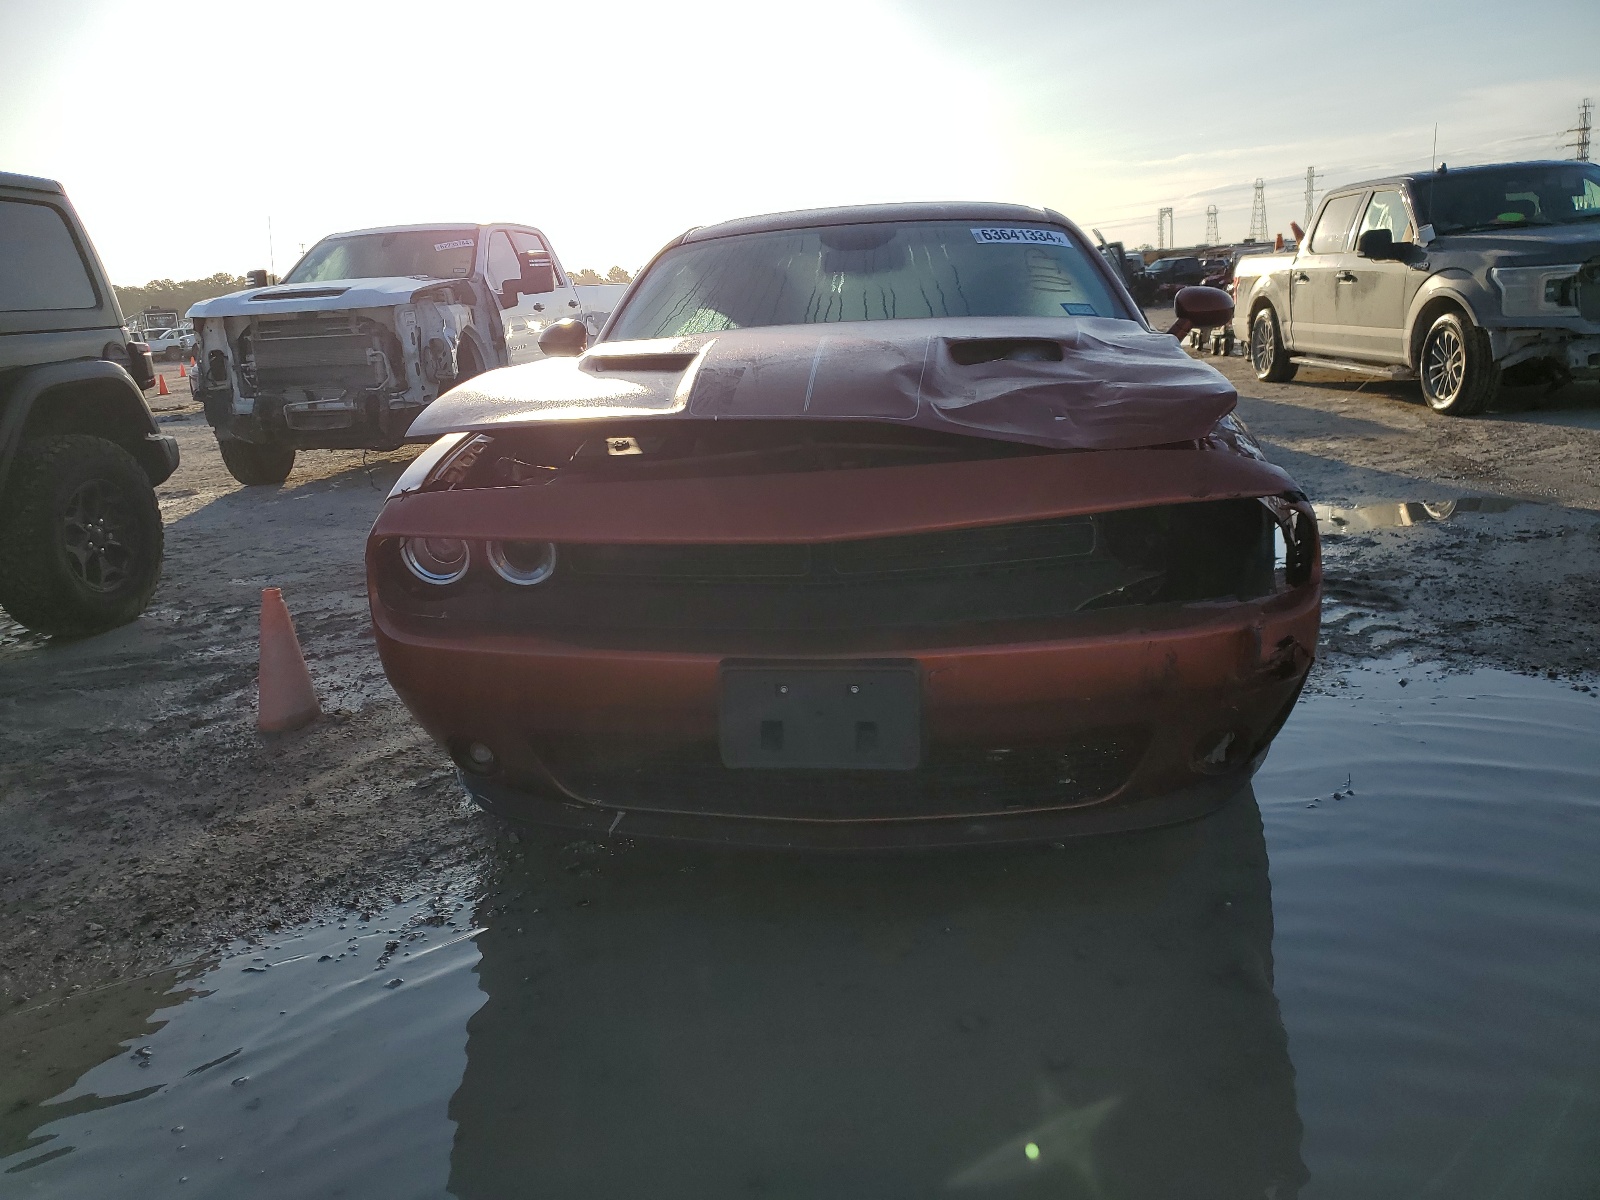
[(322, 354)]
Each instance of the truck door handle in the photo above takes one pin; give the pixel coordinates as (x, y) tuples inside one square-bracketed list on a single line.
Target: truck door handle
[(572, 304), (1345, 277), (1301, 277)]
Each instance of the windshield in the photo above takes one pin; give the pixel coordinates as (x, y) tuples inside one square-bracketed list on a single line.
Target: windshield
[(422, 253), (872, 272), (1554, 194)]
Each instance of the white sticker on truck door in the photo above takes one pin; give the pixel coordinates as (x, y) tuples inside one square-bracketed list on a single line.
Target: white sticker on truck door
[(1016, 235)]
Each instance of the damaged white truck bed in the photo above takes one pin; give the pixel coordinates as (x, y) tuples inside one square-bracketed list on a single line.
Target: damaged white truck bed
[(370, 327)]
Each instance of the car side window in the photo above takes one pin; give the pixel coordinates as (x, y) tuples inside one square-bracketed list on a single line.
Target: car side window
[(526, 243), (503, 263), (1332, 235), (40, 264), (1387, 210)]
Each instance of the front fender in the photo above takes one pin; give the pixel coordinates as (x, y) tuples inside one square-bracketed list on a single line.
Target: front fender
[(1455, 287), (94, 396)]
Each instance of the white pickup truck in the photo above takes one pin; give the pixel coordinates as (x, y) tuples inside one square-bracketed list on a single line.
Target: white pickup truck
[(370, 327)]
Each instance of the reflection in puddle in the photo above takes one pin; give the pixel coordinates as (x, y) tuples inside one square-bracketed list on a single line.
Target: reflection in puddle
[(1395, 514), (1102, 1020)]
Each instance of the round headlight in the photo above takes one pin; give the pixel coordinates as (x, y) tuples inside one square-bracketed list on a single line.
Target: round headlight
[(523, 563), (435, 560)]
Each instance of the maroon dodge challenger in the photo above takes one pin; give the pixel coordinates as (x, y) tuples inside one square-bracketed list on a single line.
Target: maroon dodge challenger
[(860, 527)]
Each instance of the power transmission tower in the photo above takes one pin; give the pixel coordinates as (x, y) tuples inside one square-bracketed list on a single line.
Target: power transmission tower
[(1258, 213), (1311, 196), (1166, 236), (1585, 121), (1212, 234)]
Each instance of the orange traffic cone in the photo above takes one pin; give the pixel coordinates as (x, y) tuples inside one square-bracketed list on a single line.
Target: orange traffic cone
[(161, 388), (183, 372), (286, 700)]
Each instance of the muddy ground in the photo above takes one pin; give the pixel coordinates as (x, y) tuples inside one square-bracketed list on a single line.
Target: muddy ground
[(143, 820)]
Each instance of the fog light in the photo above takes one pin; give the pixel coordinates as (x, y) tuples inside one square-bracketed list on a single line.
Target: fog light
[(435, 560), (480, 757), (523, 563)]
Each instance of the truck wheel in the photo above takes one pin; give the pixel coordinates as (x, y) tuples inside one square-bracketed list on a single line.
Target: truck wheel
[(1268, 355), (81, 541), (253, 463), (1458, 375)]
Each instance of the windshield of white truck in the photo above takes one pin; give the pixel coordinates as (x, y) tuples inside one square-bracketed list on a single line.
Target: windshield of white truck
[(420, 253), (1544, 194), (871, 272)]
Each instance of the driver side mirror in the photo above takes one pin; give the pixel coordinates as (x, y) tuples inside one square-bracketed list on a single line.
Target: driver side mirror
[(566, 338), (1376, 244), (1200, 307)]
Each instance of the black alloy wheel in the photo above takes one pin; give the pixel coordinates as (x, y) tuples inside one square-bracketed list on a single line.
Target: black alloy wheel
[(81, 541), (1458, 374), (1268, 355)]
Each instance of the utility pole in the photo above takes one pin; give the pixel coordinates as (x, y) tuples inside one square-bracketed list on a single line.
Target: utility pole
[(1258, 213), (1311, 196), (1213, 236), (1166, 235), (1585, 121)]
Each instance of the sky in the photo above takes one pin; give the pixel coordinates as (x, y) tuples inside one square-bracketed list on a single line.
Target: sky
[(181, 133)]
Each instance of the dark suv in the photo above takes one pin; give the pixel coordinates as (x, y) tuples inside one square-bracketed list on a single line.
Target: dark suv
[(80, 454)]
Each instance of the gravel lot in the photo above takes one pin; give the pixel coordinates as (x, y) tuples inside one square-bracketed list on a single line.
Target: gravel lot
[(146, 821)]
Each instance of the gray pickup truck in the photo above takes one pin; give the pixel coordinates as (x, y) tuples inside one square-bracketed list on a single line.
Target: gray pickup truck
[(1457, 278)]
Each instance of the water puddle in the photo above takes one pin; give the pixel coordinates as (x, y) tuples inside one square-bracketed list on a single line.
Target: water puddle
[(1373, 975), (1333, 519)]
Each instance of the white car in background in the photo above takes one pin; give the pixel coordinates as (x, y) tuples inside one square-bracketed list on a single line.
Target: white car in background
[(170, 343)]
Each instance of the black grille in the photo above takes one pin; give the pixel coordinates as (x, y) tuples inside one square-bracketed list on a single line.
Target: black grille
[(953, 780), (955, 550), (1037, 570)]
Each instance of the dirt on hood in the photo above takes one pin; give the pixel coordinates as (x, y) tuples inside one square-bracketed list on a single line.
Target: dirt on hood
[(1089, 383)]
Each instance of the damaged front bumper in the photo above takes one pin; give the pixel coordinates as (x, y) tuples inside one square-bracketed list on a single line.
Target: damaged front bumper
[(1038, 719), (330, 377)]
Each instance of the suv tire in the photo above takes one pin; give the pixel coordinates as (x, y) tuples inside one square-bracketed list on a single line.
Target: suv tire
[(80, 547), (254, 463), (1268, 355), (1458, 376)]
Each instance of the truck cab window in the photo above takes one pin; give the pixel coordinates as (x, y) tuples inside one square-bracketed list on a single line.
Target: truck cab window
[(503, 263), (1387, 210), (1332, 235)]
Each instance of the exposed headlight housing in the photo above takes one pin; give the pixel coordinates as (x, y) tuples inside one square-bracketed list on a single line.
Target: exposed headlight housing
[(1538, 291), (439, 561), (523, 563)]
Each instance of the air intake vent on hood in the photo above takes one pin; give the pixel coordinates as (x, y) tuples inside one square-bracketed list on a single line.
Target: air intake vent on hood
[(301, 294), (638, 362)]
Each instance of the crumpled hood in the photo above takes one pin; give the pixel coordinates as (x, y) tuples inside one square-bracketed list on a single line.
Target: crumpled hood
[(313, 297), (1116, 384)]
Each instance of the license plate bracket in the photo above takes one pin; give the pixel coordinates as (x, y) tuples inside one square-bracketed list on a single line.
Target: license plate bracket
[(847, 716)]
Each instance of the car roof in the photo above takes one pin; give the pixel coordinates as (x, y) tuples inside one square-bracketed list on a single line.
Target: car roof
[(32, 183), (442, 226), (861, 214), (1451, 173)]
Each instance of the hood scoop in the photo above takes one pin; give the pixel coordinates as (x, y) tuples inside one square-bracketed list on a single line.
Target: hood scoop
[(300, 293)]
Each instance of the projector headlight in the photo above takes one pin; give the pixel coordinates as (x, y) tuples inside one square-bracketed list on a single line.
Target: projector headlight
[(438, 561), (523, 563)]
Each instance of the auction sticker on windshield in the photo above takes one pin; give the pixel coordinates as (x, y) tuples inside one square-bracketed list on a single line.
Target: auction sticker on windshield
[(458, 244), (1016, 235)]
